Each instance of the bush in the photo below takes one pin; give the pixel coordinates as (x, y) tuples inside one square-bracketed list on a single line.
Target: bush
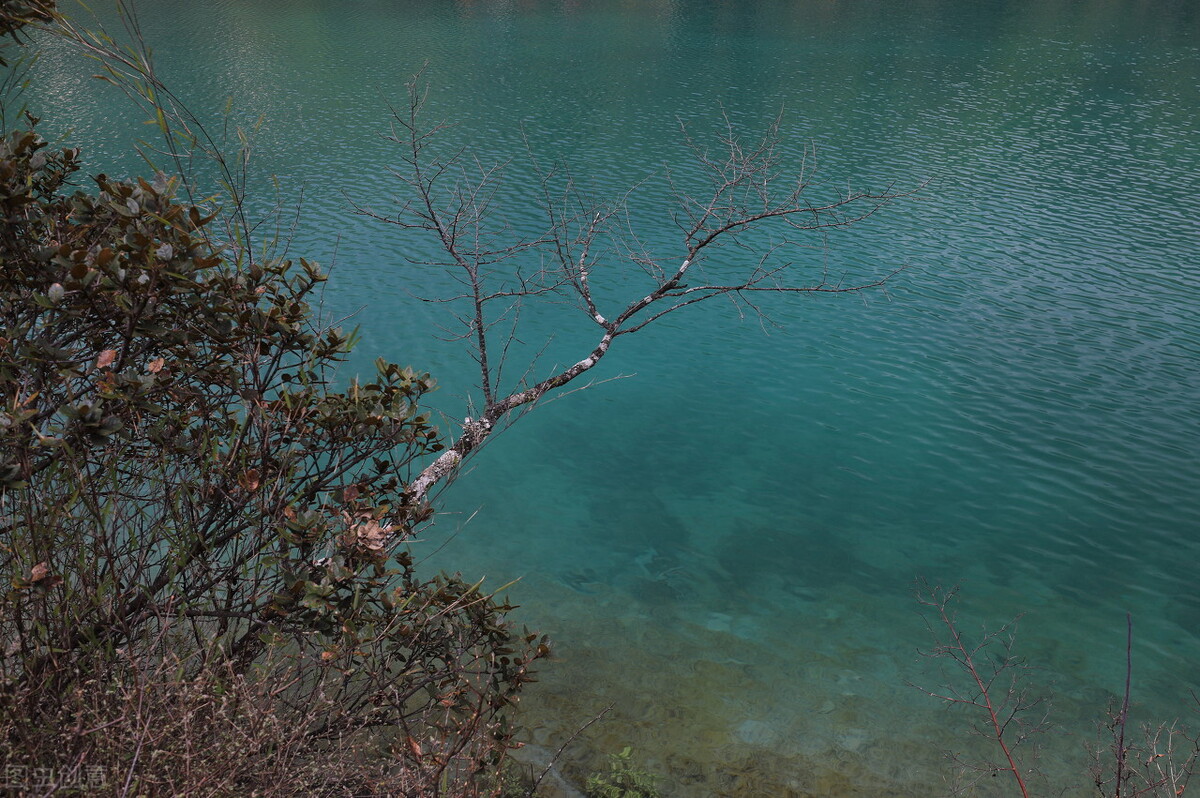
[(205, 542)]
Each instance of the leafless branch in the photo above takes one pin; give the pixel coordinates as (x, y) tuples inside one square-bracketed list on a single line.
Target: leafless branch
[(557, 754), (745, 188), (987, 678), (1160, 764)]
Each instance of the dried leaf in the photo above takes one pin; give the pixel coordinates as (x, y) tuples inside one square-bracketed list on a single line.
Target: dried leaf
[(39, 572), (106, 358), (156, 365), (371, 535), (250, 480)]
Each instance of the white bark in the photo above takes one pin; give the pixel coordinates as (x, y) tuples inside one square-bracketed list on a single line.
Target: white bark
[(475, 432)]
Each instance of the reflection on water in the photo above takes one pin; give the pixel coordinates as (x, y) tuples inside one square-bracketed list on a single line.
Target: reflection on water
[(724, 545)]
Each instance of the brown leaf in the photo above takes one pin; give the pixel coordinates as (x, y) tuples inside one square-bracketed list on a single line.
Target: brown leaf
[(106, 358), (415, 747), (39, 572), (371, 535), (250, 480), (156, 365)]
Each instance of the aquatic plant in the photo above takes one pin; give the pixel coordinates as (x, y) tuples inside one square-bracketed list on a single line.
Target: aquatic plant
[(623, 779)]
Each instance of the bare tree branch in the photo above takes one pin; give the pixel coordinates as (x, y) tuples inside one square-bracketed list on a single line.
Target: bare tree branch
[(988, 678), (747, 190)]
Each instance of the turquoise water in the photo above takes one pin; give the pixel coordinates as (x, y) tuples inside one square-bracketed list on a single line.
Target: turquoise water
[(724, 543)]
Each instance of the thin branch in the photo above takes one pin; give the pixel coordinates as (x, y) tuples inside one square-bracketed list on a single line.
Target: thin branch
[(1000, 710), (451, 197)]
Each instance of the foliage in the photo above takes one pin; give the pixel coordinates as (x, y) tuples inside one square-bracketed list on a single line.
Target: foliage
[(623, 780), (16, 15), (515, 780), (204, 541), (15, 61), (193, 513)]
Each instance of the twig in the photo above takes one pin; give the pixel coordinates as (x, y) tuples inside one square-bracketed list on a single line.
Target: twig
[(1001, 712), (574, 736), (1124, 717)]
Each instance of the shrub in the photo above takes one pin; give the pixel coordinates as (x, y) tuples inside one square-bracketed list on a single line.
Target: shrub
[(204, 541)]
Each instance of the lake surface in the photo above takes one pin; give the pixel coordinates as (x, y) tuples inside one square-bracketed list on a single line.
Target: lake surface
[(724, 544)]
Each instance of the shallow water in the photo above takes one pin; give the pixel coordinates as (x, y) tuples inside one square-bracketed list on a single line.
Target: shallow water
[(724, 544)]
